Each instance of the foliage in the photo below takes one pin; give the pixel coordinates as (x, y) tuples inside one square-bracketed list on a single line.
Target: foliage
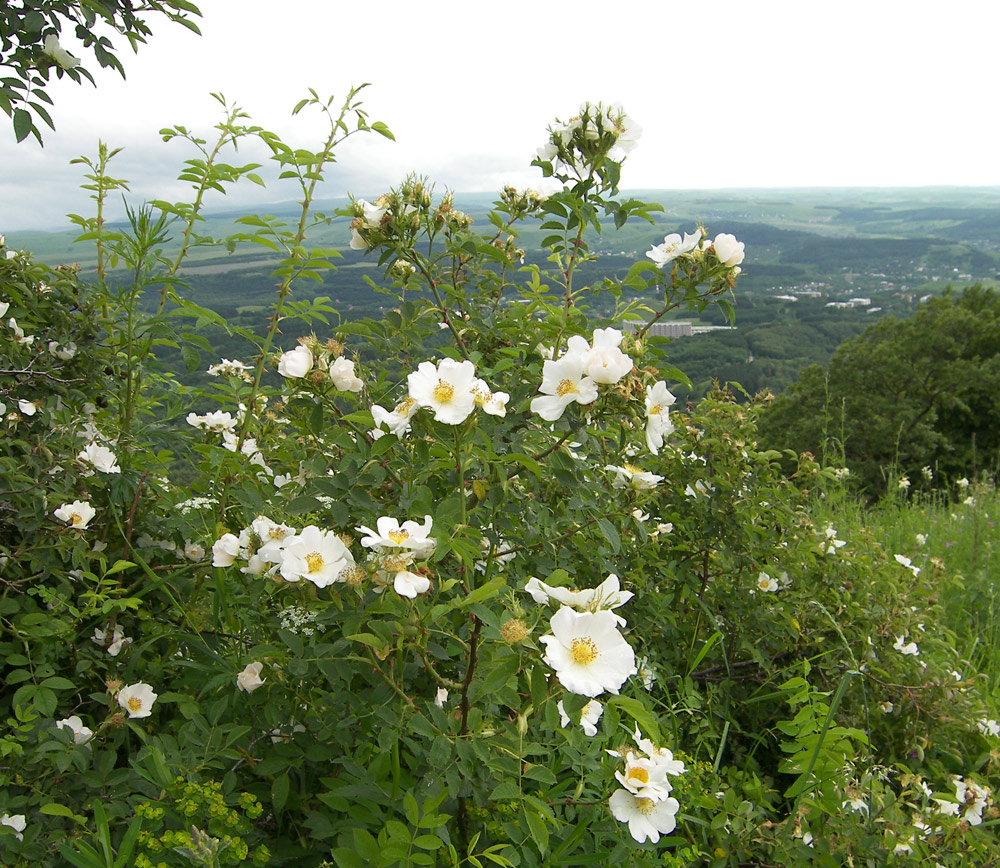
[(30, 51), (909, 394), (275, 622)]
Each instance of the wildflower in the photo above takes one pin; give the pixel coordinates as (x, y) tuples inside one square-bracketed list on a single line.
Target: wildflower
[(906, 562), (587, 652), (409, 584), (343, 377), (563, 382), (137, 699), (766, 583), (28, 408), (607, 595), (963, 483), (59, 55), (988, 727), (225, 550), (886, 707), (909, 649), (398, 421), (316, 555), (296, 363), (441, 697), (390, 534), (728, 250), (658, 424), (630, 476), (113, 639), (645, 818), (17, 822), (590, 714), (446, 388), (673, 247), (493, 403), (921, 539), (102, 458), (81, 734), (904, 483), (249, 679), (927, 473), (603, 360), (216, 421), (231, 368), (64, 353), (830, 544), (76, 514)]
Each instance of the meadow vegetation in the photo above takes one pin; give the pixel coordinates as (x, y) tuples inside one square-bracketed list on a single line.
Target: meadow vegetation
[(459, 584)]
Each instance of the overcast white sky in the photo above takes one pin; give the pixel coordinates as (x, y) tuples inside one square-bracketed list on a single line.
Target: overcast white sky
[(732, 93)]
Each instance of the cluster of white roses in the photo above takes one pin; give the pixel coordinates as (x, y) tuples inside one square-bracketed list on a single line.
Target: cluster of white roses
[(575, 375), (450, 388), (590, 656), (272, 548), (395, 547), (597, 130), (318, 362), (728, 251), (322, 557), (644, 800)]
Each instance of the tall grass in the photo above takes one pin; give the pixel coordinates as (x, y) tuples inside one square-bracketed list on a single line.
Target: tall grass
[(955, 537)]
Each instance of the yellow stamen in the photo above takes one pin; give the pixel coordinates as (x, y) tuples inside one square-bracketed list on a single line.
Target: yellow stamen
[(397, 536), (639, 774), (134, 704), (76, 518), (314, 560), (631, 468), (403, 407), (655, 410), (566, 387), (444, 392), (276, 533), (645, 806), (583, 651)]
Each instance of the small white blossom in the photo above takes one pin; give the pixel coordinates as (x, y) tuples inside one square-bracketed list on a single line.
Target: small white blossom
[(249, 679)]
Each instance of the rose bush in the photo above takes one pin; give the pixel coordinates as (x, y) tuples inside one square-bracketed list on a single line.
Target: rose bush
[(533, 615)]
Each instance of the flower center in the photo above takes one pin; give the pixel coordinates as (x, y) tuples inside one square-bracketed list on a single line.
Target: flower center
[(403, 407), (76, 518), (583, 651), (655, 410), (314, 560), (639, 774), (566, 387), (645, 806), (397, 536), (276, 533), (631, 468), (134, 704), (444, 392)]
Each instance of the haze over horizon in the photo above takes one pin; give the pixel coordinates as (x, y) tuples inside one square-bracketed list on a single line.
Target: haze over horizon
[(743, 97)]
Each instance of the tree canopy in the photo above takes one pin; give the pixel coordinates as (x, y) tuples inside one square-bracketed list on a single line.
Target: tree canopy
[(912, 393)]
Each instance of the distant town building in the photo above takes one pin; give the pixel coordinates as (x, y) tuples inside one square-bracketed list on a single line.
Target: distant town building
[(678, 328), (861, 302)]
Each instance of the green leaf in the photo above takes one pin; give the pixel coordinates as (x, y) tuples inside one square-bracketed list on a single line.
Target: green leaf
[(383, 130), (279, 791), (539, 831), (22, 124)]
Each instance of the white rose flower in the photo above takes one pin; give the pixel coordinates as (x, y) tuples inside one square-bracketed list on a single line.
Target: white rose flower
[(65, 353), (343, 377), (673, 246), (137, 699), (587, 652), (100, 457), (728, 250), (441, 697), (398, 421), (28, 408), (60, 55), (658, 424), (630, 476), (645, 818), (563, 382), (590, 714), (17, 822), (76, 514), (446, 388), (317, 555), (296, 363), (81, 734), (225, 550), (603, 360), (409, 585), (249, 679), (390, 534)]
